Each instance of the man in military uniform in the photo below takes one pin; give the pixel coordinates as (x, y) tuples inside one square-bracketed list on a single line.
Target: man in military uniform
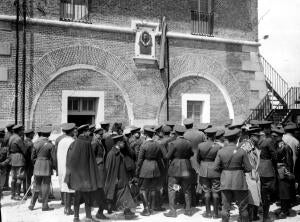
[(149, 167), (135, 141), (8, 134), (29, 134), (100, 153), (4, 160), (233, 162), (43, 160), (209, 178), (17, 154), (220, 137), (179, 153), (266, 168)]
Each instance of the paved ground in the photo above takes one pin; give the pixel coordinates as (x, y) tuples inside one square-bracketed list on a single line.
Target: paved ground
[(14, 211)]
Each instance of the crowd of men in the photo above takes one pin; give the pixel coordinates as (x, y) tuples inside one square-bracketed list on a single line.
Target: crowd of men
[(114, 168)]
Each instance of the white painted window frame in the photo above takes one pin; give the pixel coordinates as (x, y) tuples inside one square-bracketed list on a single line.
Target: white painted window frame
[(205, 98), (76, 93)]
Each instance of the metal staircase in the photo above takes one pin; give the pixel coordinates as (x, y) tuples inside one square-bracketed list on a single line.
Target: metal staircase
[(280, 102)]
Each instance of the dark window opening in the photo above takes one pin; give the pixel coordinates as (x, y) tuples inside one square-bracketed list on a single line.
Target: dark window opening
[(202, 18), (74, 10)]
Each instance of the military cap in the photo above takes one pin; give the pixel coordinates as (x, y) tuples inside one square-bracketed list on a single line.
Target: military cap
[(220, 133), (290, 127), (255, 122), (117, 138), (188, 122), (68, 126), (135, 129), (83, 128), (92, 126), (98, 129), (204, 126), (254, 131), (236, 125), (179, 129), (28, 131), (279, 131), (10, 125), (265, 123), (149, 130), (211, 131), (227, 124), (2, 130), (232, 133), (158, 128), (46, 129), (166, 129), (127, 131), (17, 127), (170, 123), (104, 123)]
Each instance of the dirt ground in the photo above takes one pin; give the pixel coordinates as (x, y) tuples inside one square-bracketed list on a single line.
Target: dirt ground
[(15, 211)]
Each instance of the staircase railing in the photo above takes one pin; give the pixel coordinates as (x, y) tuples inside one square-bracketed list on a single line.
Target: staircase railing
[(273, 78), (261, 110)]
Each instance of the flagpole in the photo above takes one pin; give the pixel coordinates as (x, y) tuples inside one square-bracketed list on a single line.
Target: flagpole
[(168, 79)]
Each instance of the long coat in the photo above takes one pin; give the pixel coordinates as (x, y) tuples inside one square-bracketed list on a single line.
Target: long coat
[(100, 153), (232, 172), (207, 152), (150, 163), (82, 171), (117, 181), (42, 157), (62, 150), (179, 153)]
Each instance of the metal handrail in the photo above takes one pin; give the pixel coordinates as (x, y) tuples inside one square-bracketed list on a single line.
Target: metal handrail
[(261, 110)]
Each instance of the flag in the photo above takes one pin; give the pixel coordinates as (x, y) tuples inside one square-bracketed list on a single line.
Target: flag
[(163, 44)]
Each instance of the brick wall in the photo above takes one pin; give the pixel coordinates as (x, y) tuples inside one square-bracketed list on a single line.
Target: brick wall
[(49, 103), (233, 19)]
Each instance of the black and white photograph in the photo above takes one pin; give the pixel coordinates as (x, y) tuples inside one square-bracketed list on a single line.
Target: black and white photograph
[(149, 110)]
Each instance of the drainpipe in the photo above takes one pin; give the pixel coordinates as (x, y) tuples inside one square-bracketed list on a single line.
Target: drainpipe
[(24, 63), (17, 61)]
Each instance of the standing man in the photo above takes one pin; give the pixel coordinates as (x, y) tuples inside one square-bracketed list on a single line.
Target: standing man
[(43, 161), (233, 162), (266, 168), (4, 160), (149, 168), (100, 153), (8, 134), (29, 134), (179, 153), (82, 174), (17, 154), (62, 150), (209, 178), (135, 141), (117, 189)]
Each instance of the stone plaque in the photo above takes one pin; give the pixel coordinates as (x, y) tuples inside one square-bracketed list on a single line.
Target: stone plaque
[(5, 48), (3, 74)]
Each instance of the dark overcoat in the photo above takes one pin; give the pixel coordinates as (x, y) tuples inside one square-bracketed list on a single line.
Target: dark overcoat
[(268, 157), (82, 172), (179, 153), (233, 163), (99, 152)]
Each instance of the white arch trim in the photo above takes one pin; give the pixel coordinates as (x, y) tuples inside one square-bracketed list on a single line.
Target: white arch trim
[(213, 80), (76, 67)]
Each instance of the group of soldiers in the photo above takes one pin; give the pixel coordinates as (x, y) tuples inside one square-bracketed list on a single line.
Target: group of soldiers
[(113, 168)]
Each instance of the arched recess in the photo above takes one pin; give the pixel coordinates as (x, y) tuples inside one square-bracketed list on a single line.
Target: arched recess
[(198, 65), (56, 62)]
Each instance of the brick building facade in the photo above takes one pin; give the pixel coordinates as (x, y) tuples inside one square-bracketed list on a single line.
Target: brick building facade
[(83, 64)]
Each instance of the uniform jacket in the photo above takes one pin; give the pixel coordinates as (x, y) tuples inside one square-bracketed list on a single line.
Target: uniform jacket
[(164, 142), (268, 157), (99, 151), (135, 144), (29, 148), (179, 153), (150, 163), (17, 150), (233, 172), (207, 152), (42, 157), (195, 137)]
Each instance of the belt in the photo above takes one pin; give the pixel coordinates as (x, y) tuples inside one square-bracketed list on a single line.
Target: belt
[(233, 168), (208, 160), (42, 158)]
